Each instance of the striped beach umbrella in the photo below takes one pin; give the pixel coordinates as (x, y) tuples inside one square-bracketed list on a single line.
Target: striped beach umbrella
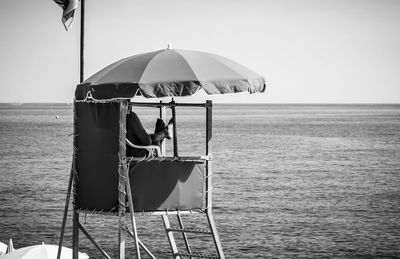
[(3, 248), (41, 251), (170, 72)]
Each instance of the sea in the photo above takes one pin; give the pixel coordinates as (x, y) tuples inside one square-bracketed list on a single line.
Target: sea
[(289, 181)]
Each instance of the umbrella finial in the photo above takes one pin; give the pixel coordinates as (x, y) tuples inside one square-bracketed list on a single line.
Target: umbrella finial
[(169, 46), (10, 246)]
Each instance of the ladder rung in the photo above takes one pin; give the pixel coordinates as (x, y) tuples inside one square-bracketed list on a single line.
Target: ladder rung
[(197, 255), (190, 230)]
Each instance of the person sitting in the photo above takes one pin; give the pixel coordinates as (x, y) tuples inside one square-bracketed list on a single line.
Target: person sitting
[(136, 134)]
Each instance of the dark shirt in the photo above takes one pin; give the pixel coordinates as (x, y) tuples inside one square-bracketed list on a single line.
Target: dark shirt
[(136, 134)]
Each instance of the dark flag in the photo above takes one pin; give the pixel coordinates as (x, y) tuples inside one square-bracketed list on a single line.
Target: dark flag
[(69, 7)]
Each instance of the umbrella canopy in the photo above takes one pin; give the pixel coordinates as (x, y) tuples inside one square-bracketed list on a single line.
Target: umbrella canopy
[(170, 72), (41, 251), (3, 248)]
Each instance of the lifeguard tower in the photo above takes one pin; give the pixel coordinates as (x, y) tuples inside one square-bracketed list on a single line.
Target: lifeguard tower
[(105, 180)]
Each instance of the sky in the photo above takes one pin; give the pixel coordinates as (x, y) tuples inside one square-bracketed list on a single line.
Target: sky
[(309, 51)]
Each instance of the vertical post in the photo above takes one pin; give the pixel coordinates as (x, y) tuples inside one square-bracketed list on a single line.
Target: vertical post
[(123, 105), (210, 218), (82, 40), (73, 179), (70, 183), (75, 234), (132, 214), (75, 215), (208, 152), (162, 116), (173, 110), (217, 242)]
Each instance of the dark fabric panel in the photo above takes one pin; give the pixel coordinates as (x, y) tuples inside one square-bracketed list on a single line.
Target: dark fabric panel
[(167, 185), (97, 145)]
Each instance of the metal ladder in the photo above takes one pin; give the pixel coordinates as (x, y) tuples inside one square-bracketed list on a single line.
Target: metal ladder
[(189, 254)]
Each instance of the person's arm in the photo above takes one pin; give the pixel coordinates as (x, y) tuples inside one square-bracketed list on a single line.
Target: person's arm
[(140, 134)]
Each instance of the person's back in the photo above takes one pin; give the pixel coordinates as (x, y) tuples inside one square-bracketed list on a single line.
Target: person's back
[(136, 133)]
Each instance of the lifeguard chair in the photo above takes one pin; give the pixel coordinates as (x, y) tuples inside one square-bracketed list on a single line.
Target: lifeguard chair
[(107, 181), (104, 180)]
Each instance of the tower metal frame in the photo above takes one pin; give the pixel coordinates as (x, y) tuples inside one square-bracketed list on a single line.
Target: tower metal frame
[(125, 194)]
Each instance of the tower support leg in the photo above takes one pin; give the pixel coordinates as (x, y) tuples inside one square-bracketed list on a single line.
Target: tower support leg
[(123, 106), (185, 239), (170, 236), (67, 200), (217, 242), (75, 234), (132, 212)]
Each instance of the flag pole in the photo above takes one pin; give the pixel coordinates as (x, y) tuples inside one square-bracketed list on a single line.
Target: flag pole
[(75, 220), (75, 214), (82, 57)]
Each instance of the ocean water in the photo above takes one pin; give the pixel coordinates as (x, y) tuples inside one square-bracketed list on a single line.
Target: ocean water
[(290, 181)]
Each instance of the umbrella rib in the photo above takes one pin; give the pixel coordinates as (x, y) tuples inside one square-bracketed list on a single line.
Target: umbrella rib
[(98, 76), (221, 60), (148, 64), (106, 70), (240, 76), (195, 75), (188, 64), (183, 60)]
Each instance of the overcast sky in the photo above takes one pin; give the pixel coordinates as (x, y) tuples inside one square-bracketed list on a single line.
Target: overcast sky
[(310, 51)]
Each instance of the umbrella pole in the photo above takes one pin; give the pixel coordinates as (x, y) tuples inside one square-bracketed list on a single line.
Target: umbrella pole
[(175, 139), (162, 116), (208, 152)]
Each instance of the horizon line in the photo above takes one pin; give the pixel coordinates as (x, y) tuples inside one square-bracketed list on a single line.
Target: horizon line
[(230, 103)]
